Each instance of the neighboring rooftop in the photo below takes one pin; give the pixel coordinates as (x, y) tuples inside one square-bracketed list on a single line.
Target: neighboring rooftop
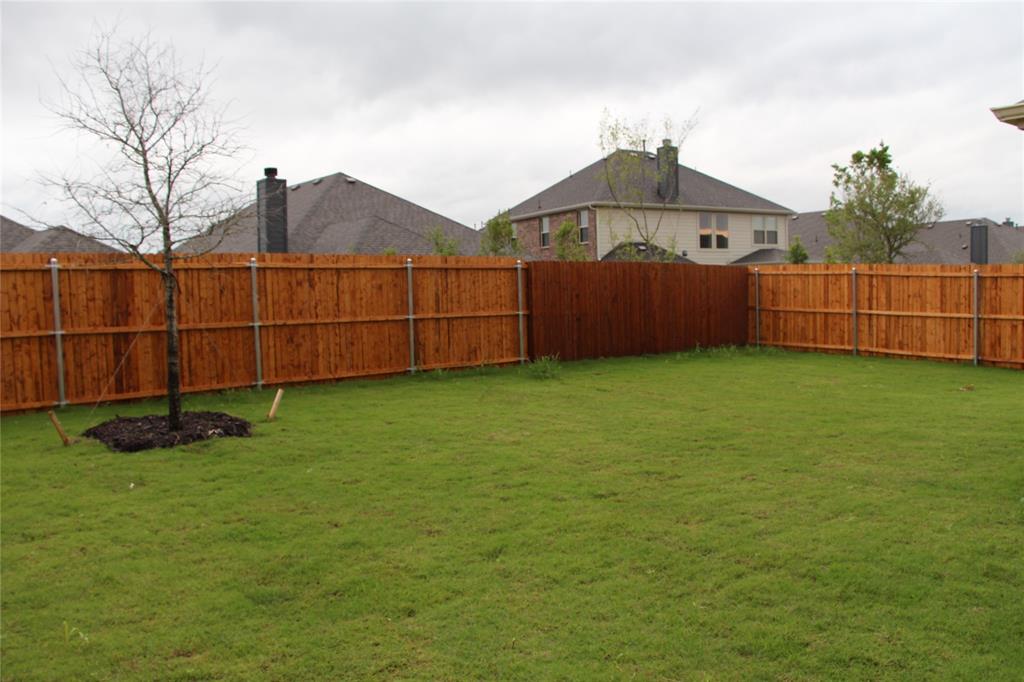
[(340, 214), (1012, 114), (762, 257), (17, 238), (590, 186), (632, 251), (948, 241)]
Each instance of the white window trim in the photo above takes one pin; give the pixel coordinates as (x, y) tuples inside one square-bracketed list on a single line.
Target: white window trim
[(545, 229)]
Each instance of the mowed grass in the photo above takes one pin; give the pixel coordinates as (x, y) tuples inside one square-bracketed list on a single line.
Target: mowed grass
[(726, 515)]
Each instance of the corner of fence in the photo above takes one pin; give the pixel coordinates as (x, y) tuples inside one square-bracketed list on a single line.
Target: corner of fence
[(853, 306), (519, 299), (257, 346), (58, 332), (412, 318), (757, 307)]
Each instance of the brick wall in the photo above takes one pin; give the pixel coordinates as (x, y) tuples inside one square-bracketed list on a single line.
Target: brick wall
[(528, 234)]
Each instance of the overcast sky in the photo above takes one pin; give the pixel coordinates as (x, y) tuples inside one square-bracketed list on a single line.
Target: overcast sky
[(469, 108)]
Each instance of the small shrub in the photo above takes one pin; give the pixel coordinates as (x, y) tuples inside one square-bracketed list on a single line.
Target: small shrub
[(547, 367)]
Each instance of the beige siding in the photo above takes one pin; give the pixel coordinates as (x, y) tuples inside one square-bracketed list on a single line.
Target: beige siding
[(615, 225)]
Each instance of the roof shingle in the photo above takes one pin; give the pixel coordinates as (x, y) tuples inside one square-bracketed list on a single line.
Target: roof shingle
[(339, 214), (590, 185)]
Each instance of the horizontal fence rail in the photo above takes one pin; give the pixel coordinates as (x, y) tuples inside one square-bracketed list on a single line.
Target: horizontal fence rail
[(86, 328), (592, 310), (969, 313)]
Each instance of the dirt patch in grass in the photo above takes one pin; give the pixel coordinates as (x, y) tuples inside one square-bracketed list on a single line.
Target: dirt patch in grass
[(131, 434)]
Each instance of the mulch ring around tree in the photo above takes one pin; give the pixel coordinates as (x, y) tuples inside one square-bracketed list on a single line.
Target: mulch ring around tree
[(131, 434)]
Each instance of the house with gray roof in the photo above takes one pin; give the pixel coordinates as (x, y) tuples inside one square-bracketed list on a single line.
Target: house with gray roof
[(945, 242), (697, 216), (17, 238), (333, 214)]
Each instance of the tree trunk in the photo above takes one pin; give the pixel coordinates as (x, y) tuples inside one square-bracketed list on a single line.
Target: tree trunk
[(173, 350)]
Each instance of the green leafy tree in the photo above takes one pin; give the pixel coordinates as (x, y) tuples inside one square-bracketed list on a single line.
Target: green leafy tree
[(874, 212), (567, 242), (797, 254), (1018, 257), (499, 237), (441, 244)]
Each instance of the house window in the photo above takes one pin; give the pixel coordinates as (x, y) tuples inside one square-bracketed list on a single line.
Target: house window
[(515, 231), (721, 231), (584, 227), (714, 230), (545, 231), (766, 230)]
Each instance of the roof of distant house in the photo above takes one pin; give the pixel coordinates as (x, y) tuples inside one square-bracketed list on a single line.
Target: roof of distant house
[(16, 238), (590, 186), (12, 233), (340, 214), (762, 257), (631, 251), (948, 241)]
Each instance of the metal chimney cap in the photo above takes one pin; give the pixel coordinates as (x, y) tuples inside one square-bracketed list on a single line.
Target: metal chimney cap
[(270, 172)]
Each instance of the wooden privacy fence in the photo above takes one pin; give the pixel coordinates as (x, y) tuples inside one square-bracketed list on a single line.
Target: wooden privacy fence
[(90, 327), (948, 312), (591, 310)]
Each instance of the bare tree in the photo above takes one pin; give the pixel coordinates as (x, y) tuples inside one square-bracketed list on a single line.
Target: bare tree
[(633, 174), (156, 180)]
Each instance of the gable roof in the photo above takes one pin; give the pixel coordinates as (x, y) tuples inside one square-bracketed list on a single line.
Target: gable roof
[(763, 257), (12, 233), (643, 252), (590, 186), (948, 241), (339, 214), (16, 238)]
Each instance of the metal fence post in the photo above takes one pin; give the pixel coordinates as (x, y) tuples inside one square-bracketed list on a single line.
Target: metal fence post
[(853, 305), (58, 331), (412, 326), (757, 306), (977, 315), (257, 346), (519, 295)]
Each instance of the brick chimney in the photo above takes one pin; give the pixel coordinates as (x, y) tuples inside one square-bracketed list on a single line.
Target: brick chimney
[(272, 213), (668, 171), (979, 243)]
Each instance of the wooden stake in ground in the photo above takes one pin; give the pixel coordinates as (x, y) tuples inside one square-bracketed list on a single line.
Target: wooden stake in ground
[(273, 408), (60, 429)]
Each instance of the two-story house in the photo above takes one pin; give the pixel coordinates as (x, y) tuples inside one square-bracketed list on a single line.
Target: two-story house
[(695, 215)]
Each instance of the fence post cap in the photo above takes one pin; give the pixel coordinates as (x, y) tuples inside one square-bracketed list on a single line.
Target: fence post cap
[(408, 261), (252, 261), (53, 261)]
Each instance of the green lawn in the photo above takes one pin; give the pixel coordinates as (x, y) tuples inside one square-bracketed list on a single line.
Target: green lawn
[(726, 515)]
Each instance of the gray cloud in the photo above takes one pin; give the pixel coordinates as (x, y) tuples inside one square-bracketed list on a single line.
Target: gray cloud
[(468, 108)]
